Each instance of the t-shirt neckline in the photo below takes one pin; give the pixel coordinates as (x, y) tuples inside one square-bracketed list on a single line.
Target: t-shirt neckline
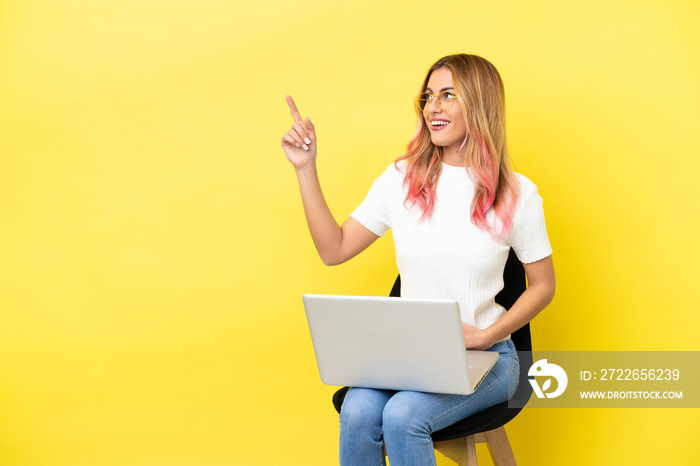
[(455, 175)]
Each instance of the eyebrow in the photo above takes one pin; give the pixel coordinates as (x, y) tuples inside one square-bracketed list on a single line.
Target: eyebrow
[(443, 89)]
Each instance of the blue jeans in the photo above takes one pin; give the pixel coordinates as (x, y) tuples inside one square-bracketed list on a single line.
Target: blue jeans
[(404, 420)]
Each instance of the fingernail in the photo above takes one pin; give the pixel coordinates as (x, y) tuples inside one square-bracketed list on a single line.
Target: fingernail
[(297, 145), (305, 147), (307, 140)]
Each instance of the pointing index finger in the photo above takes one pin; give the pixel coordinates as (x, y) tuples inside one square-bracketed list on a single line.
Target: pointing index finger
[(294, 110)]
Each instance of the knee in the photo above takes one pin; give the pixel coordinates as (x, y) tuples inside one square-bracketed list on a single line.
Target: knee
[(359, 414), (400, 420), (353, 419)]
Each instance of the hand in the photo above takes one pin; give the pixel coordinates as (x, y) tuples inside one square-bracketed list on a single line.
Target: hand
[(299, 144), (474, 338)]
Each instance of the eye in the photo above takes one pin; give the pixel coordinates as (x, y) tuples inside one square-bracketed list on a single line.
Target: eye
[(448, 96), (424, 99)]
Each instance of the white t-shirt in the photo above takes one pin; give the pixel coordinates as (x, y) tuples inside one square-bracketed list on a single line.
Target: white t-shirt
[(446, 255)]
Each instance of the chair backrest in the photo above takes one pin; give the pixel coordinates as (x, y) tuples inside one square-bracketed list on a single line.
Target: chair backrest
[(514, 284)]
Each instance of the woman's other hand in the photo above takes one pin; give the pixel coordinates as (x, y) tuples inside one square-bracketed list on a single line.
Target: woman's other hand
[(474, 338), (299, 144)]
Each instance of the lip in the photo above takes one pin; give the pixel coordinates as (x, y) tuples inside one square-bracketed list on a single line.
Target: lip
[(438, 128)]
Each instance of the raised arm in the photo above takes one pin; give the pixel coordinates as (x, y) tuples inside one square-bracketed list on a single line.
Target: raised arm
[(335, 244)]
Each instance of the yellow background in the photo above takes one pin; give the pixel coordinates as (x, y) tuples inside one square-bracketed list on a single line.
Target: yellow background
[(154, 251)]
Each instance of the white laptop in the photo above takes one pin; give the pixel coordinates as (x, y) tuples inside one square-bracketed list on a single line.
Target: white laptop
[(394, 343)]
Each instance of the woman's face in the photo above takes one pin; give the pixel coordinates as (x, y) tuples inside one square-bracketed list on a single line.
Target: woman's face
[(447, 127)]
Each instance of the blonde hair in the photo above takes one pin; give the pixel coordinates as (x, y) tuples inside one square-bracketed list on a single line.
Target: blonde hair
[(481, 95)]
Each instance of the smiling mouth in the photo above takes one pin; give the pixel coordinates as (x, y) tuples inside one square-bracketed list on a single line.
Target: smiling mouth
[(438, 124)]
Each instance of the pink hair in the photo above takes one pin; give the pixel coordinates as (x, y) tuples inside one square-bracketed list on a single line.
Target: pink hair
[(480, 94)]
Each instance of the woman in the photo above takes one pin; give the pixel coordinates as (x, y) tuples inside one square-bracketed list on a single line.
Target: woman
[(456, 209)]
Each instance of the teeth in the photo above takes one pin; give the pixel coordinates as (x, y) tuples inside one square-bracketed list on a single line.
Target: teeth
[(439, 123)]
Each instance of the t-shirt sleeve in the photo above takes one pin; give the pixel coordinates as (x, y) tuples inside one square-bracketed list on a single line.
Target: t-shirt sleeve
[(529, 238), (373, 213)]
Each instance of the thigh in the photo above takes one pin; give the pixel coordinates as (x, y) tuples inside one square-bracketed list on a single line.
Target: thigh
[(503, 376), (435, 411)]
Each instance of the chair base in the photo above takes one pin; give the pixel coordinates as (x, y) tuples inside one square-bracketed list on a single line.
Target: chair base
[(463, 450)]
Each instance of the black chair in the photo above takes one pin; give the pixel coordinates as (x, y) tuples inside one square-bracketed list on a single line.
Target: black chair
[(458, 441)]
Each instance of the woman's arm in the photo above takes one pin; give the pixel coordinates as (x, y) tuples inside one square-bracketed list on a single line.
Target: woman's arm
[(539, 293), (335, 244)]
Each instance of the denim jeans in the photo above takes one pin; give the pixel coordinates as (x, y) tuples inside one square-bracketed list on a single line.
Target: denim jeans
[(404, 420)]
